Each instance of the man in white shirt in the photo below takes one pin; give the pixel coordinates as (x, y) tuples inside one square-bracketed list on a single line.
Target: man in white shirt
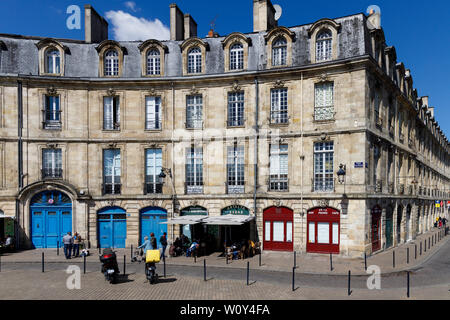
[(68, 241)]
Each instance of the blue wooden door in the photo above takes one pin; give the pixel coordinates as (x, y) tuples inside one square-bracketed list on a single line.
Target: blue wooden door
[(112, 227), (151, 219), (51, 218)]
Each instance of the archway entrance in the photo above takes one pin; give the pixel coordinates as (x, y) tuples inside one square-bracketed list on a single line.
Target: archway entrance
[(389, 227), (112, 227), (278, 229), (323, 230), (151, 222), (51, 218), (376, 228)]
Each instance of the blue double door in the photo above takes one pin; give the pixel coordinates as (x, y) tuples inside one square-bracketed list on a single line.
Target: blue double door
[(151, 219), (112, 227), (51, 219)]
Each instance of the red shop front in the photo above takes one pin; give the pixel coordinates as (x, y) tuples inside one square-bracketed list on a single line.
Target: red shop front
[(323, 232), (278, 229)]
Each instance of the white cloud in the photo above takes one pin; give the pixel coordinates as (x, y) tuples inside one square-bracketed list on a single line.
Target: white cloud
[(127, 27), (131, 5)]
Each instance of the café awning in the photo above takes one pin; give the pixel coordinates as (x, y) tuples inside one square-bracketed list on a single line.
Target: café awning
[(185, 220), (228, 220)]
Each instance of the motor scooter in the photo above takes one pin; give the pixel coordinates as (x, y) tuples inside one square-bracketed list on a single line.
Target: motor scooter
[(110, 268), (152, 257)]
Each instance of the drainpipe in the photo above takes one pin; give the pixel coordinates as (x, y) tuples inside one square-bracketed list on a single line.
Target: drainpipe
[(302, 160), (20, 154), (256, 152), (173, 154)]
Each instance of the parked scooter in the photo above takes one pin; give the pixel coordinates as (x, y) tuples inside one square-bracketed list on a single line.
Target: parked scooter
[(152, 257), (110, 268)]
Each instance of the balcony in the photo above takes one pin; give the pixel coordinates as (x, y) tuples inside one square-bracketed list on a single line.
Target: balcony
[(320, 185), (391, 188), (52, 119), (236, 122), (194, 124), (153, 188), (279, 117), (111, 188), (379, 186), (153, 125), (50, 173), (235, 189), (324, 114), (193, 189), (279, 183)]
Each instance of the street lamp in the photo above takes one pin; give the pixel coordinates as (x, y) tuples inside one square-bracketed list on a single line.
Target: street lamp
[(164, 173), (341, 173)]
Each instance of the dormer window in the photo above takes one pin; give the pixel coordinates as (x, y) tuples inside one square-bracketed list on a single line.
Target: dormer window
[(324, 46), (111, 63), (195, 60), (279, 52), (237, 57), (52, 61), (153, 62)]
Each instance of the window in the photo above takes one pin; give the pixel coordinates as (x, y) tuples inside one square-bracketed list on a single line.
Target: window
[(279, 52), (237, 57), (195, 60), (194, 112), (377, 103), (278, 180), (235, 109), (324, 46), (111, 63), (52, 112), (376, 160), (152, 113), (153, 62), (153, 166), (52, 61), (235, 169), (324, 109), (194, 170), (51, 163), (279, 106), (111, 171), (323, 166), (111, 113)]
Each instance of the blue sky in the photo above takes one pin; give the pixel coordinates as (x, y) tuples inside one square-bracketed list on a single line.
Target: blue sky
[(418, 29)]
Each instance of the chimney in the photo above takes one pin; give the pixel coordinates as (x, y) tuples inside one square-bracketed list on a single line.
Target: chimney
[(190, 27), (374, 20), (431, 109), (176, 23), (425, 101), (263, 16), (95, 26)]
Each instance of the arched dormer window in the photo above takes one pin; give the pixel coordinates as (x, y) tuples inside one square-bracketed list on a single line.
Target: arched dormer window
[(279, 52), (51, 57), (153, 58), (235, 47), (52, 61), (279, 47), (324, 40), (111, 63), (324, 45), (194, 53), (237, 57), (110, 58)]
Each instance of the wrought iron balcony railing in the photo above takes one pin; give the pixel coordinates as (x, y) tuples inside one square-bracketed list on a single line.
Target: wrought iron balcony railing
[(49, 173)]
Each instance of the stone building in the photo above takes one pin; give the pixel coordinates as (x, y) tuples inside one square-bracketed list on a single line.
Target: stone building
[(309, 138)]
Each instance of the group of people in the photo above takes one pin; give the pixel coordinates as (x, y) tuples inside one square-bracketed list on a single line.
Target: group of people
[(182, 245), (153, 245), (242, 249), (72, 245), (440, 222), (7, 244)]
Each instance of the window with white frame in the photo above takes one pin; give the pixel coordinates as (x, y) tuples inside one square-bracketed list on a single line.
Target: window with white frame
[(278, 180), (153, 62), (153, 113), (194, 112), (52, 61), (235, 169), (111, 171), (279, 52), (111, 113), (111, 63), (194, 170), (195, 60), (323, 166), (51, 163), (153, 167), (52, 112), (324, 46), (279, 106), (235, 109), (324, 96), (237, 57)]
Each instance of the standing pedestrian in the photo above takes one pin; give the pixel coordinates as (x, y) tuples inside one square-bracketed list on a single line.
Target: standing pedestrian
[(76, 244), (68, 241), (153, 241), (145, 246), (163, 241)]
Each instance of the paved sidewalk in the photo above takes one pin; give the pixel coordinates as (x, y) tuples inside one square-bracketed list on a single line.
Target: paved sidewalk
[(276, 261)]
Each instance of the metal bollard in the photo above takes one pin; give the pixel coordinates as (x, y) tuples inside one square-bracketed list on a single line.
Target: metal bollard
[(248, 272), (57, 248), (195, 258), (407, 284), (0, 262), (407, 255), (429, 241), (425, 249), (415, 251), (164, 261), (226, 256), (260, 257), (131, 251), (42, 262), (393, 259), (204, 270), (365, 261), (331, 262), (420, 247), (84, 264), (295, 259), (349, 279), (124, 264), (293, 279)]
